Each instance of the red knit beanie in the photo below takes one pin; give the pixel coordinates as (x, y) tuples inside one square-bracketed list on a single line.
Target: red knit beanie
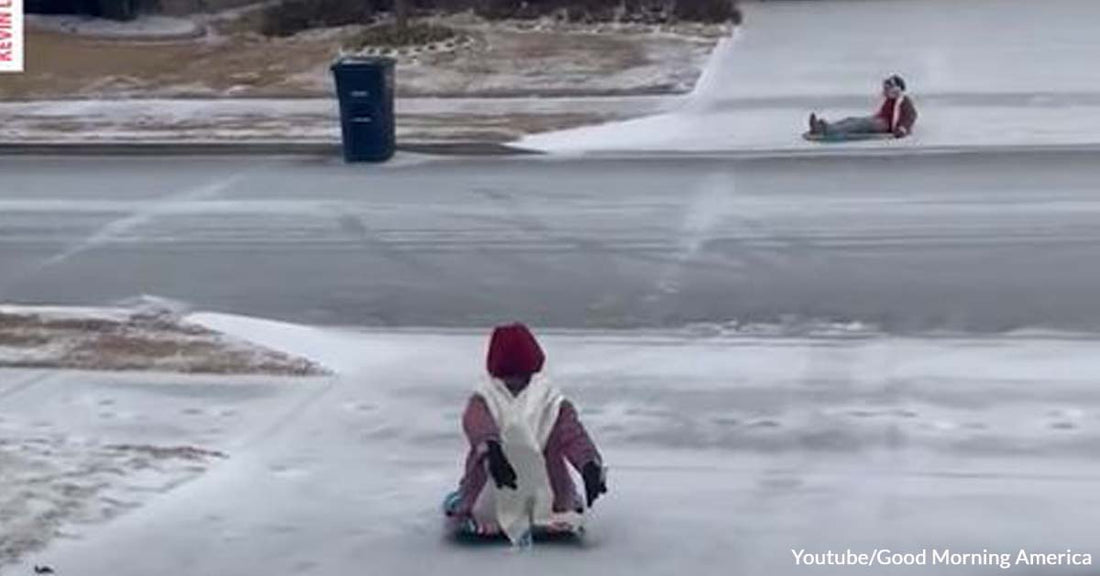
[(513, 351)]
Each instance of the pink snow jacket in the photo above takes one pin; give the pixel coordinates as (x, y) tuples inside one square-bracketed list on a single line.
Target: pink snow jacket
[(568, 442)]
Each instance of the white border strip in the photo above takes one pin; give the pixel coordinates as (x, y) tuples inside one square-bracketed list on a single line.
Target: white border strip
[(11, 36)]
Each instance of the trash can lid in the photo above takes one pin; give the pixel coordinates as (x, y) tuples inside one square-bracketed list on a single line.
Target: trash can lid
[(362, 61)]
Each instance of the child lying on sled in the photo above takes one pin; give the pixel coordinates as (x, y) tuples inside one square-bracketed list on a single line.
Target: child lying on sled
[(514, 407), (896, 116)]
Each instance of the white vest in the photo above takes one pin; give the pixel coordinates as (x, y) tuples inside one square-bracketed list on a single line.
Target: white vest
[(525, 421), (534, 409)]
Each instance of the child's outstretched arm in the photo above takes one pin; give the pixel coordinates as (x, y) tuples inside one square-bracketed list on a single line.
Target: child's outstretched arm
[(478, 424), (570, 439), (480, 429), (570, 436)]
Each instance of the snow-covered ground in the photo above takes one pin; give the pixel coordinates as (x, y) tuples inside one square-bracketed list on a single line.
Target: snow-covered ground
[(982, 72), (726, 452), (728, 448), (226, 55), (777, 130), (78, 449)]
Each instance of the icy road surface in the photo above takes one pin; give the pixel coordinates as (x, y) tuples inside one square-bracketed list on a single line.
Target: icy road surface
[(974, 243), (725, 453)]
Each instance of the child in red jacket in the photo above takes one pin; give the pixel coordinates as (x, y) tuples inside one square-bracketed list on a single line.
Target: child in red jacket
[(896, 115)]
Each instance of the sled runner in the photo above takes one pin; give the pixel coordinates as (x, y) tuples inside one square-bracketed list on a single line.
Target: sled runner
[(850, 137), (564, 528)]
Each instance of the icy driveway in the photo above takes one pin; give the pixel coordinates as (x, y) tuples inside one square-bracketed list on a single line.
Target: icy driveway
[(726, 452), (982, 72), (941, 47)]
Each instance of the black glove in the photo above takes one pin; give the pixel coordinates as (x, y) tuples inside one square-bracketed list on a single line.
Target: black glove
[(594, 482), (499, 468)]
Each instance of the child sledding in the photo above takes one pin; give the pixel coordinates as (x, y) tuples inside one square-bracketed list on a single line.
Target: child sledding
[(895, 118), (523, 436)]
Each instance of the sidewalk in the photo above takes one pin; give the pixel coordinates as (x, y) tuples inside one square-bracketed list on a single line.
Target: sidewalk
[(302, 121), (639, 124)]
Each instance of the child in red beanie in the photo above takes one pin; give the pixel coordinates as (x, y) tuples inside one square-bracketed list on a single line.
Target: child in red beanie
[(514, 410)]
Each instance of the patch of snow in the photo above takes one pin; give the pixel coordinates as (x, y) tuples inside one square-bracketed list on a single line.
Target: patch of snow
[(79, 449), (337, 351), (145, 27), (53, 483), (150, 306), (240, 11), (49, 313), (34, 355)]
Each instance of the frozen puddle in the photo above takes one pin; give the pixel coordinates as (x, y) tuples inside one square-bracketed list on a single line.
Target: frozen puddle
[(725, 450)]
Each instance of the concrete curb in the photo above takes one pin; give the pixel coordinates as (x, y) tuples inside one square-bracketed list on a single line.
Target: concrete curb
[(244, 149), (835, 151), (484, 149)]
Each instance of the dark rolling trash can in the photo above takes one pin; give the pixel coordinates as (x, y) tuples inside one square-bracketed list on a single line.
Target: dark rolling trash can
[(364, 86)]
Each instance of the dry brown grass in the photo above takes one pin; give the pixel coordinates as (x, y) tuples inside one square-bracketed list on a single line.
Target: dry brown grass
[(239, 62), (60, 65), (140, 342)]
